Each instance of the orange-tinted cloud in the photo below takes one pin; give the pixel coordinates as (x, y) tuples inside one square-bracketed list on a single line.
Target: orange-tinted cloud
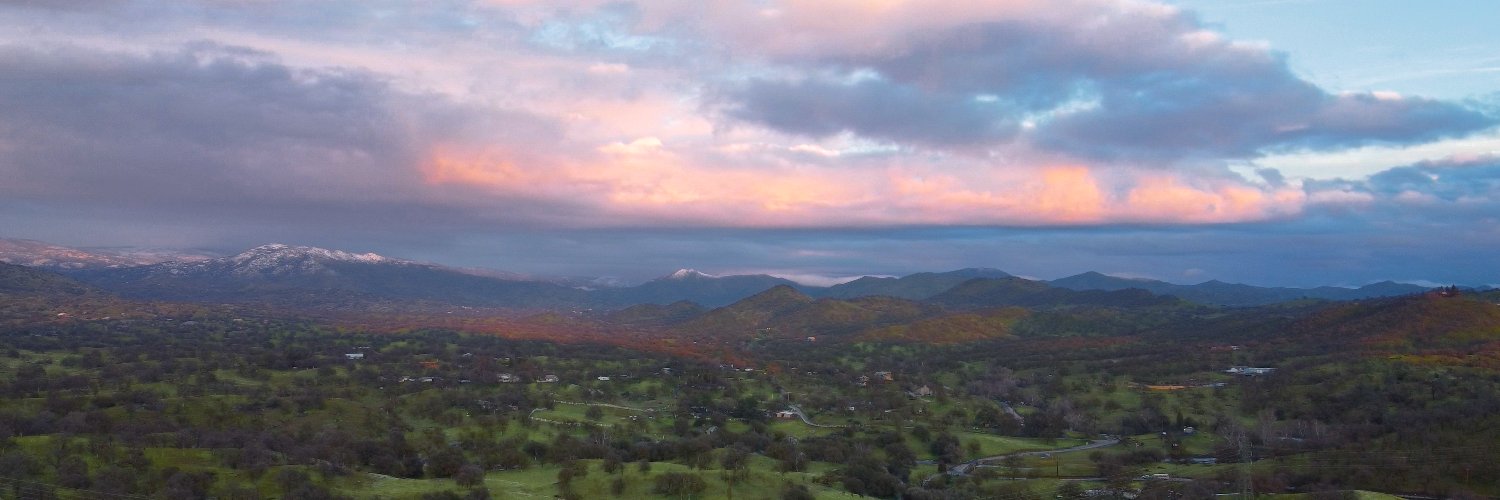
[(644, 181), (1165, 198)]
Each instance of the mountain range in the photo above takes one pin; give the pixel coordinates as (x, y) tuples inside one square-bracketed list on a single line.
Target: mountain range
[(316, 277), (698, 314), (296, 275), (1232, 294)]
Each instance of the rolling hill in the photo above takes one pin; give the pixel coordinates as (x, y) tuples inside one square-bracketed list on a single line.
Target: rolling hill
[(917, 286), (22, 280), (1233, 294), (690, 285)]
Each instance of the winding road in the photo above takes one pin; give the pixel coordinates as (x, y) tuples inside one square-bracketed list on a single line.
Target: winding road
[(798, 410), (964, 468)]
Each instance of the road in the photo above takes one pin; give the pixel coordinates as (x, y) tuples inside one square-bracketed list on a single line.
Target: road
[(1005, 405), (1097, 443), (798, 410), (964, 468), (606, 405)]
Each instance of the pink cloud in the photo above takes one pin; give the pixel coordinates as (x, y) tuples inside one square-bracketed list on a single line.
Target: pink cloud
[(645, 181)]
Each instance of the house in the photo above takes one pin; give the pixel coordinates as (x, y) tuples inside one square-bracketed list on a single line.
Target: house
[(354, 355), (885, 376), (548, 379), (786, 414), (862, 381), (812, 339), (508, 378), (430, 365), (1249, 371), (922, 392)]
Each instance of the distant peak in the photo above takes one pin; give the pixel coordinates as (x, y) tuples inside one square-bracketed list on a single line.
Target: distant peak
[(1098, 275), (285, 251), (980, 272), (683, 274), (780, 293)]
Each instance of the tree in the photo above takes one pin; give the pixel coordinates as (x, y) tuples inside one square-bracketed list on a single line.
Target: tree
[(612, 463), (1012, 465), (617, 486), (678, 484), (445, 463), (734, 461), (1070, 490), (945, 447), (73, 472), (469, 475), (115, 479), (796, 492), (193, 484)]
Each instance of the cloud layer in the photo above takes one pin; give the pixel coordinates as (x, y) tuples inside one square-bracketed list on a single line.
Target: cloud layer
[(459, 118)]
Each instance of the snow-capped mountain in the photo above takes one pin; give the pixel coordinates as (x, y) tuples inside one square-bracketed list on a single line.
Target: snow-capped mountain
[(278, 259), (316, 276), (687, 274)]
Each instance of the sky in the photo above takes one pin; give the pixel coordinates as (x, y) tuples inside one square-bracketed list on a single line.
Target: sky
[(1271, 142)]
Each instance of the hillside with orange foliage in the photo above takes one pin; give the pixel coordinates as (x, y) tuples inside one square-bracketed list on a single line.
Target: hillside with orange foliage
[(953, 329), (1429, 329)]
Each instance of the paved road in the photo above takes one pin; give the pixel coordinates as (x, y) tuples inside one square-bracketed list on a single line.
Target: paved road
[(964, 468), (606, 405), (1097, 443), (798, 410), (1013, 414)]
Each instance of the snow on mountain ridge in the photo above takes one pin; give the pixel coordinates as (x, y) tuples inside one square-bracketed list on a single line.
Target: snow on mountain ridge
[(683, 274), (40, 254), (281, 251), (278, 259)]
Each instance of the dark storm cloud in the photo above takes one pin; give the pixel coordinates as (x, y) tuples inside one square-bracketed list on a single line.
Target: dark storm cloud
[(1132, 86), (219, 131), (204, 123)]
